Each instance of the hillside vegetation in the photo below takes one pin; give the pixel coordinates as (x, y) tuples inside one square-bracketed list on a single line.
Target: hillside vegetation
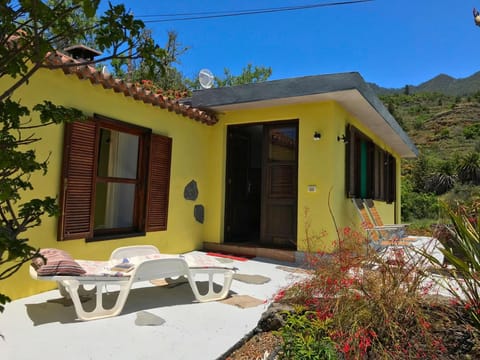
[(446, 130), (439, 125)]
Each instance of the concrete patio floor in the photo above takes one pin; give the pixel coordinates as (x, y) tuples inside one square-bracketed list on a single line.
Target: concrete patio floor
[(45, 325)]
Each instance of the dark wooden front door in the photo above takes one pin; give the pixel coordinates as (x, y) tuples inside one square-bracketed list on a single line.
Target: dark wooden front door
[(279, 195), (243, 183), (261, 184)]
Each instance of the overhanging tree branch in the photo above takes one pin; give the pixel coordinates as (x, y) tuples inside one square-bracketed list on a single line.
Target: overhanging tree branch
[(30, 31)]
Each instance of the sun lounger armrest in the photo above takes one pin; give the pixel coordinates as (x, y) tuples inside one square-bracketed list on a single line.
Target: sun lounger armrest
[(390, 227), (133, 251), (212, 273), (72, 287), (33, 273), (174, 267)]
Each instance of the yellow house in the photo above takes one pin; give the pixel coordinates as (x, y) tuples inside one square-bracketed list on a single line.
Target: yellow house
[(254, 164)]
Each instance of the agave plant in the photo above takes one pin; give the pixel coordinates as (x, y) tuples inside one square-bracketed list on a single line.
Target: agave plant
[(440, 183), (469, 168), (464, 257), (443, 179)]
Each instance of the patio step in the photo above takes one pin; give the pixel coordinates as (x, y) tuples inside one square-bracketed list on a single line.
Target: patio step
[(251, 250)]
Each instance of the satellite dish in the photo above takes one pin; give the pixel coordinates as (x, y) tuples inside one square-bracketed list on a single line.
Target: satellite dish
[(105, 71), (205, 77)]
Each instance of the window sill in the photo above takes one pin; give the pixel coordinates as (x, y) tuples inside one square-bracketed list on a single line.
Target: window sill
[(103, 237)]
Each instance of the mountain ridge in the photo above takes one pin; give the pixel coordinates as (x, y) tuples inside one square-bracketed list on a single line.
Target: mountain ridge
[(442, 83)]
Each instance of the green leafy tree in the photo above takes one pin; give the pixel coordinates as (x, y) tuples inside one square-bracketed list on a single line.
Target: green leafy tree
[(18, 161), (249, 74), (172, 78), (81, 20), (161, 75), (417, 205), (393, 110), (30, 30), (420, 173)]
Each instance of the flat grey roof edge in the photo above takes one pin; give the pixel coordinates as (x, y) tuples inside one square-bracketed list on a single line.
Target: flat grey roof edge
[(298, 87), (275, 89), (372, 98)]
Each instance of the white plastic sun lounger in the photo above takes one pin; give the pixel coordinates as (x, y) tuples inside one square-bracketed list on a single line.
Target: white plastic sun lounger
[(149, 264)]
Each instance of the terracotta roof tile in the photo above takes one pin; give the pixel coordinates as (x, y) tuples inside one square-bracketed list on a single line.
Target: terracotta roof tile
[(88, 72)]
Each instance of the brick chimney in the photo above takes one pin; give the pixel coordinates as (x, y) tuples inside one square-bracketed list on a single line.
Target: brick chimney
[(82, 52)]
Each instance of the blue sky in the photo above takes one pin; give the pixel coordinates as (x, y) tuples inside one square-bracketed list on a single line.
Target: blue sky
[(390, 42)]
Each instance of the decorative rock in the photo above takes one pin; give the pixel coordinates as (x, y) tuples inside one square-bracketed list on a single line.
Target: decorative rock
[(274, 317), (251, 279), (145, 318), (199, 213), (191, 191)]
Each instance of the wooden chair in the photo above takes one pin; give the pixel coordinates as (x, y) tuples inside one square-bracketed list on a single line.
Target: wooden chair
[(380, 236), (389, 241), (377, 219)]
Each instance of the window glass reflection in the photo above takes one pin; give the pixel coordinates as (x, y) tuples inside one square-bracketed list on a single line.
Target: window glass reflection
[(118, 154), (282, 144), (114, 205)]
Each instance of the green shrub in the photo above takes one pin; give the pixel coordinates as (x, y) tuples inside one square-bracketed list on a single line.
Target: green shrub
[(444, 134), (422, 227), (305, 337), (419, 123), (421, 168), (471, 131), (419, 206), (462, 194)]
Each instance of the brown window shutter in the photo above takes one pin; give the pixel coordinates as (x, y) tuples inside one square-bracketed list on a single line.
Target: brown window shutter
[(351, 162), (370, 169), (391, 179), (158, 183), (77, 180)]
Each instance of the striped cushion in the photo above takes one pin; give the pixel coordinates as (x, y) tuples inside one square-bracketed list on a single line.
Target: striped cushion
[(58, 262)]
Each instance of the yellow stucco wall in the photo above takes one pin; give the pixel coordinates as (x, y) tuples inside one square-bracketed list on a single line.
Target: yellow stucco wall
[(190, 161), (199, 153), (320, 163)]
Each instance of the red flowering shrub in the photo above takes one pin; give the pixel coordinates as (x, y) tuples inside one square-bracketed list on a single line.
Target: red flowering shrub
[(374, 308)]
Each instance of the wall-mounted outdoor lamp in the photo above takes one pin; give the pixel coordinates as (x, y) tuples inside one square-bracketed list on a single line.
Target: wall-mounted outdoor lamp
[(342, 138), (316, 136)]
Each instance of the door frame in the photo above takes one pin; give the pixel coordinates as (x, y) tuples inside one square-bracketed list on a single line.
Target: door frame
[(264, 153)]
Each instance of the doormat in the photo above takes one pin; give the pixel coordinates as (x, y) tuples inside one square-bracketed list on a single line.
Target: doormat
[(227, 256), (145, 318), (224, 260), (242, 301), (251, 279)]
